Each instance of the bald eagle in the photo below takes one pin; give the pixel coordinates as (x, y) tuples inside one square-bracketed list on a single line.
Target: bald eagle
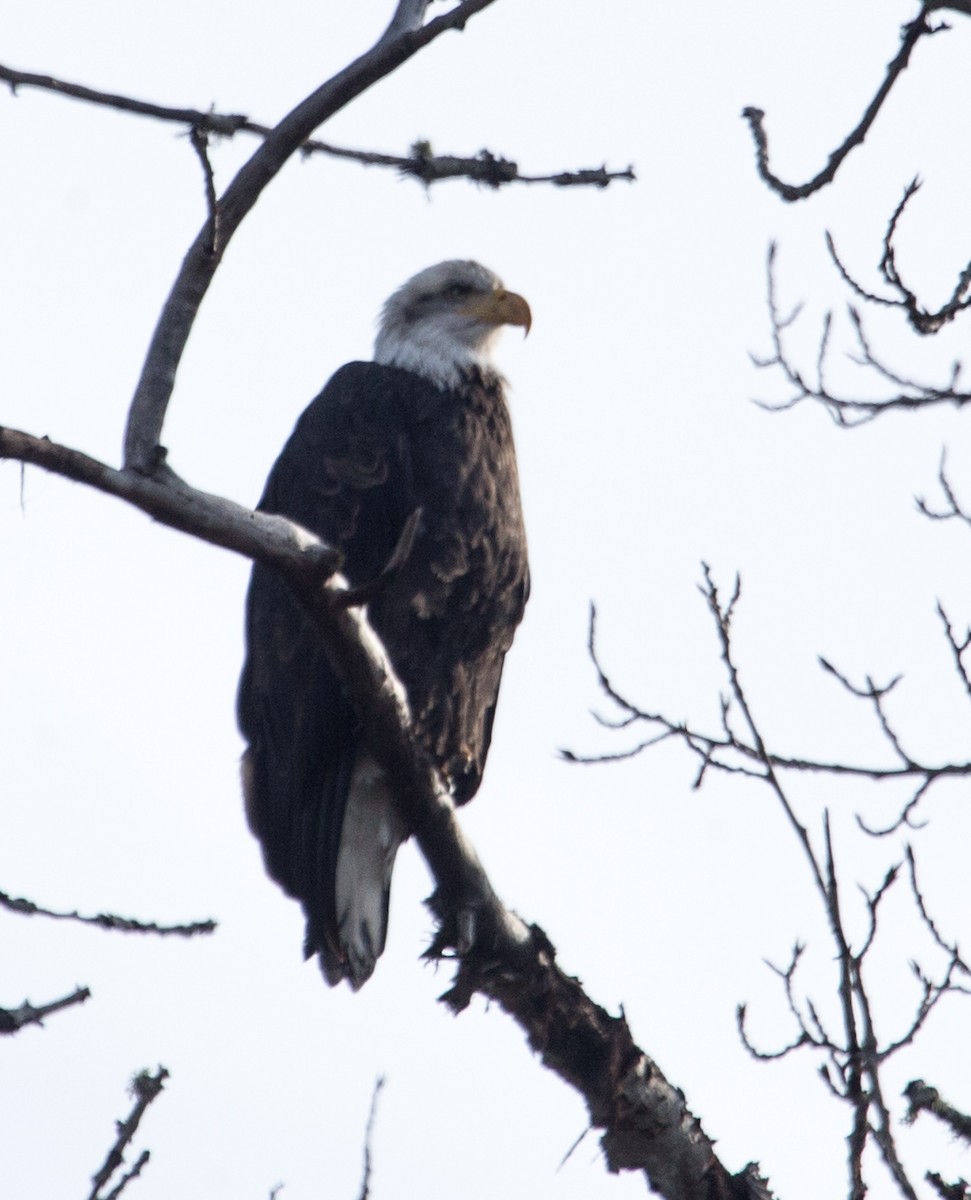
[(421, 435)]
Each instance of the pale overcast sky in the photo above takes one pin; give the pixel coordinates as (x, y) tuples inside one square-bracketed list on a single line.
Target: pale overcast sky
[(641, 454)]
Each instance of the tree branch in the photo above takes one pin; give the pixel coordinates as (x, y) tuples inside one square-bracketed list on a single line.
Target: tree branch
[(952, 511), (12, 1020), (144, 1088), (921, 1097), (368, 1133), (923, 320), (420, 163), (646, 1123), (270, 539), (224, 124), (909, 395), (105, 920), (911, 35), (854, 1057), (147, 413)]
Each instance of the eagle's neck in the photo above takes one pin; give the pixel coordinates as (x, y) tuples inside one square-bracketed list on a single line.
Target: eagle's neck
[(435, 353)]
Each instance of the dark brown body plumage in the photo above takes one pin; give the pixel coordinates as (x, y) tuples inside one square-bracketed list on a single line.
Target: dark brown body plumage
[(377, 444)]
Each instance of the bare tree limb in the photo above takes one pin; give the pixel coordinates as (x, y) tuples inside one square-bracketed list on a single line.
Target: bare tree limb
[(733, 752), (910, 36), (224, 124), (948, 1191), (923, 320), (854, 1057), (950, 948), (646, 1124), (149, 404), (909, 395), (368, 1133), (420, 163), (408, 18), (921, 1097), (271, 539), (144, 1089), (953, 510), (200, 143), (106, 920), (12, 1020)]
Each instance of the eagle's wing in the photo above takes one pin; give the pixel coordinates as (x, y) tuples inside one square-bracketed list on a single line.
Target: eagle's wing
[(378, 444), (343, 475)]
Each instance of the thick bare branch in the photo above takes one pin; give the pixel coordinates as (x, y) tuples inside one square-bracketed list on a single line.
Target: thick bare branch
[(408, 17), (270, 539), (646, 1123)]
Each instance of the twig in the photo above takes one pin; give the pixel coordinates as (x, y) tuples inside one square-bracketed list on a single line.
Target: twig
[(200, 143), (420, 163), (921, 1097), (28, 908), (730, 753), (948, 1191), (909, 395), (144, 1088), (224, 124), (949, 948), (368, 1132), (923, 320), (855, 1057), (12, 1020), (953, 511)]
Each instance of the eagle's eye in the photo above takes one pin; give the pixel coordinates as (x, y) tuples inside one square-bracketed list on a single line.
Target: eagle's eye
[(456, 291)]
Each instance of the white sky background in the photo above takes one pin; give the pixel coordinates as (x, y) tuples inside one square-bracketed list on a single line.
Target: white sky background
[(640, 455)]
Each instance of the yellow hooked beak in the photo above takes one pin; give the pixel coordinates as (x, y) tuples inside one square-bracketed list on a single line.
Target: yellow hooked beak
[(501, 308)]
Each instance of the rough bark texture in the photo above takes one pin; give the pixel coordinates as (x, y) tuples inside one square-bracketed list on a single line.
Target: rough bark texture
[(646, 1124)]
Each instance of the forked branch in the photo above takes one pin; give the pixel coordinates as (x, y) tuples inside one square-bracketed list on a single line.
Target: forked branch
[(903, 394), (922, 319)]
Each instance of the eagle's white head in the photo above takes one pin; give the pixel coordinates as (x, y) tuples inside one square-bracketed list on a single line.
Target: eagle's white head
[(445, 320)]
